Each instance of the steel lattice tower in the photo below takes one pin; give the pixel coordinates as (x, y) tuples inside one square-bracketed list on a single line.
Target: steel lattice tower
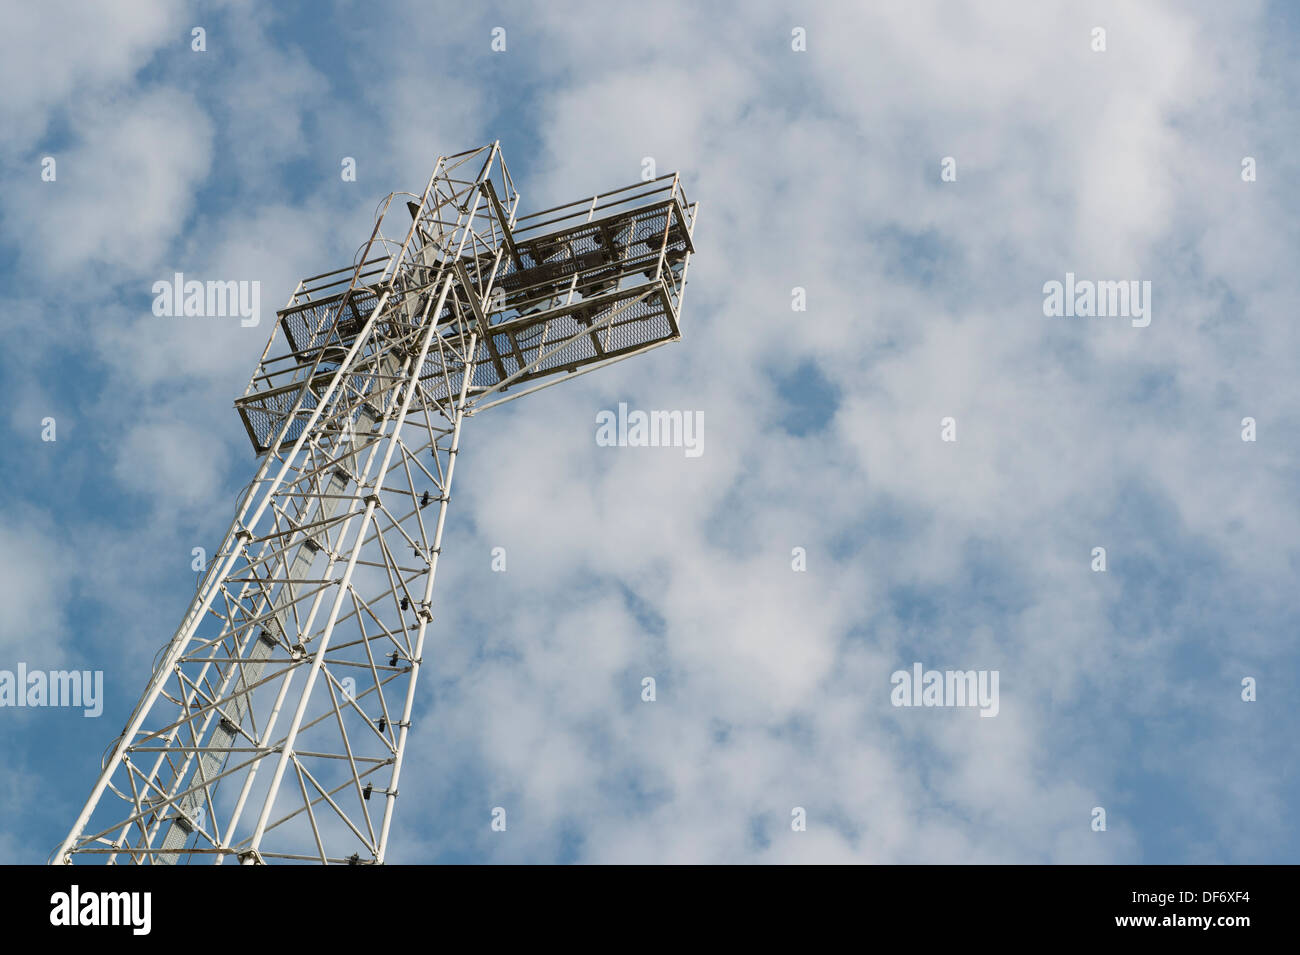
[(277, 717)]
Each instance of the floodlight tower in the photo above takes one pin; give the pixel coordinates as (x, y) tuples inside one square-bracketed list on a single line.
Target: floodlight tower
[(276, 720)]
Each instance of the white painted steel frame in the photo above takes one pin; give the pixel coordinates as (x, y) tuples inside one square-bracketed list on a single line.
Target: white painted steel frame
[(345, 409)]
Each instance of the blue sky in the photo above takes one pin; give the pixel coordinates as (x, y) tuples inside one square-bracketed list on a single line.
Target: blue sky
[(817, 169)]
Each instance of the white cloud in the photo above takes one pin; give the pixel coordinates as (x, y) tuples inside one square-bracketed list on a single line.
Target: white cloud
[(60, 49), (818, 170), (124, 190), (35, 561)]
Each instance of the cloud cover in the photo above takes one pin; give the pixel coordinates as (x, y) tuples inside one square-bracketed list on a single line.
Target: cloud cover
[(818, 170)]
